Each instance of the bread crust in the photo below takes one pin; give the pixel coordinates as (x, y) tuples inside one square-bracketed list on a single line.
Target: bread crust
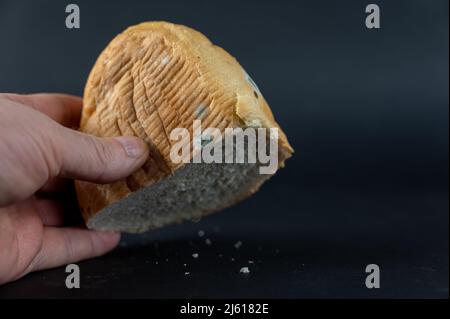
[(157, 76)]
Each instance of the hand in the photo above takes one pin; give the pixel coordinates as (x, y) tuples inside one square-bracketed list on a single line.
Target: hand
[(39, 154)]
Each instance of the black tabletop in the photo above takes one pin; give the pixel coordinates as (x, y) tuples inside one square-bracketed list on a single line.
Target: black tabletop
[(317, 245)]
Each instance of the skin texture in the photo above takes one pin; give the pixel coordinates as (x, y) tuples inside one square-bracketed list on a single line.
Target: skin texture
[(40, 154)]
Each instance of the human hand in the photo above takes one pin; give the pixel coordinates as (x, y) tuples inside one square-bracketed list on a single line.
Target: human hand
[(39, 154)]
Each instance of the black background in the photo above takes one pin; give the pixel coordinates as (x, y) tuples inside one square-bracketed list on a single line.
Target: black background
[(365, 110)]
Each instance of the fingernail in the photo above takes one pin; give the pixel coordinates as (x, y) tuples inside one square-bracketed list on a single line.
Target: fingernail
[(133, 146)]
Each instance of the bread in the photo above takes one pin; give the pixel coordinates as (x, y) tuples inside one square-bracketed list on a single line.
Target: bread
[(152, 78)]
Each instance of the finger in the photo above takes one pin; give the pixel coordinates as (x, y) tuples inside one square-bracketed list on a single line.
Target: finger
[(64, 200), (51, 212), (100, 160), (62, 108), (61, 246)]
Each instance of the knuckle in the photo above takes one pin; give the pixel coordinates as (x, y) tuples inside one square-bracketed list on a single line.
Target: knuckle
[(69, 247), (103, 156)]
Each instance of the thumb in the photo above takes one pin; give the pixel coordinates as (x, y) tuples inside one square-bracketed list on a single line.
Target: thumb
[(102, 160)]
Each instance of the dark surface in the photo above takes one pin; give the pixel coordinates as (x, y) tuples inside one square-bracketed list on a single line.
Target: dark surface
[(309, 247), (366, 111)]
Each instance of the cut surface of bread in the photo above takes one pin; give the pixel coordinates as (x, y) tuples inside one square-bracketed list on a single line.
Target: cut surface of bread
[(151, 79)]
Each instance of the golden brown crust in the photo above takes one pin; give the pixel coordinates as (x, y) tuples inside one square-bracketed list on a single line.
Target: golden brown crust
[(157, 76)]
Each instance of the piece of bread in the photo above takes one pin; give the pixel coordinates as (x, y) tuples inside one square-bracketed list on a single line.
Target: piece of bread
[(152, 78)]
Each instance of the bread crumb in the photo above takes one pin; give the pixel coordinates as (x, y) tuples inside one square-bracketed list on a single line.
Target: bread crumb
[(195, 255), (244, 270), (208, 241), (201, 233), (238, 245)]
